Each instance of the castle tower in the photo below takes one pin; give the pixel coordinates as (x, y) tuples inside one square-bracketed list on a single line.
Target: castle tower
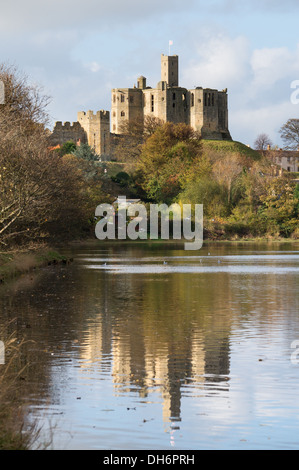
[(170, 69), (141, 82), (97, 128), (126, 105)]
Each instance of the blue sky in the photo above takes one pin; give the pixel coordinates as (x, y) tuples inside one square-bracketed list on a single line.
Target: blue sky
[(79, 50)]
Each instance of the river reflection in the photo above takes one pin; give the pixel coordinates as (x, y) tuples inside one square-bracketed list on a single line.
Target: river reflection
[(139, 346)]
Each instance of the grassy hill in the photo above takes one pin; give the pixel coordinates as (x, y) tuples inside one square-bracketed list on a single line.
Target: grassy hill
[(230, 146)]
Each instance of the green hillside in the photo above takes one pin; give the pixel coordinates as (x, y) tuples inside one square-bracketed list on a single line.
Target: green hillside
[(230, 146)]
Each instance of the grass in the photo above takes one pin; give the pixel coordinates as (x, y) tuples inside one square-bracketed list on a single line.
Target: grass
[(14, 264), (230, 147)]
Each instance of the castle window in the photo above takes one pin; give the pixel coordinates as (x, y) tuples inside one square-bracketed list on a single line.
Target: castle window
[(209, 99), (153, 103), (122, 98), (192, 99), (122, 114), (173, 105), (114, 113), (113, 98), (131, 99), (173, 96)]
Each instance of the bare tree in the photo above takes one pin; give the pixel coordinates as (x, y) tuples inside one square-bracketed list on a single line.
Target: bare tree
[(127, 145), (289, 133), (262, 142), (226, 170), (38, 190)]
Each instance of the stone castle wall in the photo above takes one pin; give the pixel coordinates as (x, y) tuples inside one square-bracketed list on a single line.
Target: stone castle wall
[(66, 132), (205, 110)]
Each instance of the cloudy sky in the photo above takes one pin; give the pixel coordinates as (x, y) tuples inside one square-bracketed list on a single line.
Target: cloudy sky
[(78, 50)]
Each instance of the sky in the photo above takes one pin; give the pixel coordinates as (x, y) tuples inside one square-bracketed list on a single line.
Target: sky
[(77, 51)]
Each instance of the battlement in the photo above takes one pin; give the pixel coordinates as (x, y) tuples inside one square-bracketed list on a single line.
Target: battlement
[(67, 126), (64, 132), (91, 116)]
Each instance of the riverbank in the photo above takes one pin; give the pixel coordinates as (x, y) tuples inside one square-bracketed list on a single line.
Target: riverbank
[(16, 263), (93, 242)]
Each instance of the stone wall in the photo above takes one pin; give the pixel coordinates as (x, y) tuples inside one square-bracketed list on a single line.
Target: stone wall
[(97, 128), (205, 110), (66, 132)]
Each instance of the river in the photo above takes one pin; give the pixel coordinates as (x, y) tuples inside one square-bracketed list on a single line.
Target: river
[(140, 346)]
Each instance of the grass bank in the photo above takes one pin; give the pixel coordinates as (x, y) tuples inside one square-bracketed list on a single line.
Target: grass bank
[(13, 264)]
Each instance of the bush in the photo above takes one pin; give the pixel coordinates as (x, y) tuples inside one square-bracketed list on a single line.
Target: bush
[(122, 178)]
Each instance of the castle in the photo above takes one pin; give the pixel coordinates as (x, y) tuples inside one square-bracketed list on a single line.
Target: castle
[(204, 109)]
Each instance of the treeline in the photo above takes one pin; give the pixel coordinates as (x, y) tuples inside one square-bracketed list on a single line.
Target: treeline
[(244, 194), (44, 195), (51, 195)]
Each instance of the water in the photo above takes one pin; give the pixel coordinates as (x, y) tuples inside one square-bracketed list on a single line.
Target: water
[(149, 347)]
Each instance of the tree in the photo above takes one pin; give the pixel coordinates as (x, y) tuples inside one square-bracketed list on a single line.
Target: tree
[(289, 133), (41, 195), (280, 204), (67, 147), (168, 158), (127, 145), (85, 152), (262, 142), (226, 170)]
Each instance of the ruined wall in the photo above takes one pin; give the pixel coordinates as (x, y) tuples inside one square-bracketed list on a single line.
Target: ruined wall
[(66, 132)]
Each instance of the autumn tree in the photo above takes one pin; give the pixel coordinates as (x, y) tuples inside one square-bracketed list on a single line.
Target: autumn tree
[(41, 195), (133, 133), (168, 157)]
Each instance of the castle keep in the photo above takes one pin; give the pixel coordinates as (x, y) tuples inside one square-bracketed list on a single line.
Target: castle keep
[(204, 109)]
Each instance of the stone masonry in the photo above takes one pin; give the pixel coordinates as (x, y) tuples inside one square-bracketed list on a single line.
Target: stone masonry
[(204, 109)]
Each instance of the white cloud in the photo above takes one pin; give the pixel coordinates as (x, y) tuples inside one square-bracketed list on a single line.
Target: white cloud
[(219, 61), (258, 82), (36, 15), (270, 65)]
